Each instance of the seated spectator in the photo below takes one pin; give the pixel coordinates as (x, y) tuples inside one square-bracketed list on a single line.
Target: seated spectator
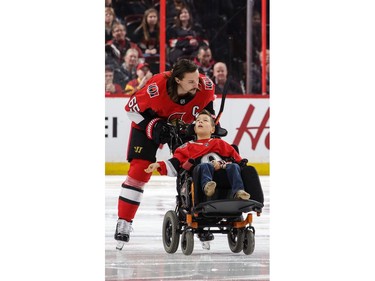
[(127, 71), (116, 48), (256, 32), (184, 38), (205, 61), (146, 36), (172, 9), (144, 74), (110, 87), (108, 3), (256, 77), (110, 19), (267, 90), (221, 80)]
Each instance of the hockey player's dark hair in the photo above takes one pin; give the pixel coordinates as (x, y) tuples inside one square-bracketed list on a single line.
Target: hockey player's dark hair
[(179, 69)]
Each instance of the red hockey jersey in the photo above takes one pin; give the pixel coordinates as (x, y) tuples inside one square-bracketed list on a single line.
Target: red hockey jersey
[(154, 96), (195, 149)]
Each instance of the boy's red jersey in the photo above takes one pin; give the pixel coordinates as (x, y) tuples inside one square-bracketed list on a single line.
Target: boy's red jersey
[(194, 150)]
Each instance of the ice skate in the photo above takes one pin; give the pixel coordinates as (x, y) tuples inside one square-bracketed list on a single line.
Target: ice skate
[(122, 233), (209, 188)]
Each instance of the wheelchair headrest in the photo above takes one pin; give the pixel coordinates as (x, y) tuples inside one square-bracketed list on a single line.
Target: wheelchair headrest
[(219, 131)]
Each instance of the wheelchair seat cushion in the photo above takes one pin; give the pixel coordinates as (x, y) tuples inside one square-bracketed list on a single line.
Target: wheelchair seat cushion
[(227, 207)]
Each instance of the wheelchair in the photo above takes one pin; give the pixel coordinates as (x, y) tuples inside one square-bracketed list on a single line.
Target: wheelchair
[(196, 214)]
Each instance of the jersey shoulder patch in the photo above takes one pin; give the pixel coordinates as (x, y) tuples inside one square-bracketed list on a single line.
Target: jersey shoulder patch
[(207, 83), (153, 90)]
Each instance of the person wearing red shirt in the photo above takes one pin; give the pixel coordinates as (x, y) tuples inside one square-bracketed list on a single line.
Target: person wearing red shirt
[(210, 152), (205, 61), (143, 75), (110, 87), (204, 148), (173, 97), (116, 48)]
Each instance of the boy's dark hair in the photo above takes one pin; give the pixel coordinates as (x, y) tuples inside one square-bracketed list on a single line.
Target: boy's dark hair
[(206, 112), (181, 67)]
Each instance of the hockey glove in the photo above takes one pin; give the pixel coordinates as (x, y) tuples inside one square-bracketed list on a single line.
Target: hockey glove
[(158, 130)]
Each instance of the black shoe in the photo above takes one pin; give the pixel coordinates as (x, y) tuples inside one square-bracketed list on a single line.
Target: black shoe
[(205, 236)]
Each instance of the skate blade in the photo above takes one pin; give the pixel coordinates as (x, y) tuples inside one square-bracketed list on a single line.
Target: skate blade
[(120, 245)]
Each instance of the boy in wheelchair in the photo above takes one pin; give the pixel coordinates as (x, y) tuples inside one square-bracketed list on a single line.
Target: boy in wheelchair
[(207, 150), (215, 166)]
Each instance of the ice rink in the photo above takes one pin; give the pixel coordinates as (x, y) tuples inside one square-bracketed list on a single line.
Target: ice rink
[(144, 257)]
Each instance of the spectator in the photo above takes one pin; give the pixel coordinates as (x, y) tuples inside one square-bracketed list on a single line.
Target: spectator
[(185, 37), (143, 75), (127, 71), (256, 30), (205, 61), (116, 48), (146, 36), (110, 19), (108, 3), (172, 9), (267, 90), (256, 76), (110, 87), (221, 80)]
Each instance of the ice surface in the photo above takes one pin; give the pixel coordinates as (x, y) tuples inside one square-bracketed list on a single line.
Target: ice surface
[(144, 257)]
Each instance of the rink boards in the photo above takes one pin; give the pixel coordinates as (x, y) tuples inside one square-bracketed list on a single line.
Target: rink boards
[(246, 119)]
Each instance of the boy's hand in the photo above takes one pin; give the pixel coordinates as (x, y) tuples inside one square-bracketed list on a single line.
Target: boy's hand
[(216, 165), (152, 167)]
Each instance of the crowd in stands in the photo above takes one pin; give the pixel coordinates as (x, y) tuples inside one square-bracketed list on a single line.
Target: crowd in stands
[(212, 33), (184, 37)]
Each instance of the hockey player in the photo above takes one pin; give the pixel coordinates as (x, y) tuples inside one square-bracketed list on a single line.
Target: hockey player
[(169, 97)]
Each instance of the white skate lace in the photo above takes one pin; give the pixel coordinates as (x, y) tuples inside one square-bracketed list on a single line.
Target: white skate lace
[(125, 227)]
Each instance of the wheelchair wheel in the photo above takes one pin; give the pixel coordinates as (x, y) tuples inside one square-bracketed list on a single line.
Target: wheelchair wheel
[(171, 236), (236, 239), (187, 242), (248, 242)]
